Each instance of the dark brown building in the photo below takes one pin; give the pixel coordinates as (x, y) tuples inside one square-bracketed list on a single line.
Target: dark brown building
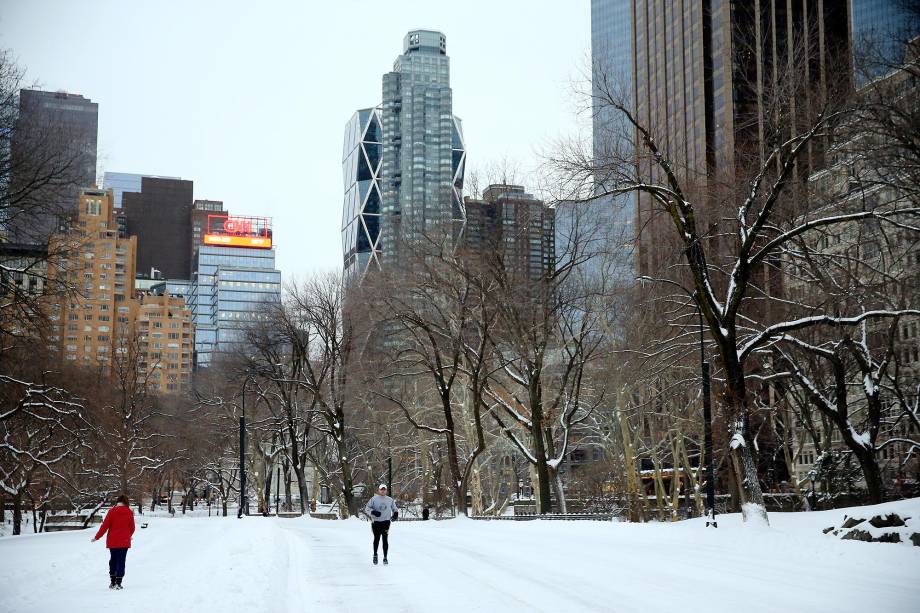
[(704, 75), (511, 228), (160, 215)]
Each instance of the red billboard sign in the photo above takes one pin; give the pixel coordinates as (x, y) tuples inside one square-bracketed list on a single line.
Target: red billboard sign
[(239, 231)]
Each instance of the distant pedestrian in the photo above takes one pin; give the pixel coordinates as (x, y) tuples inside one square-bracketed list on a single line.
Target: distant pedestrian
[(381, 509), (119, 523)]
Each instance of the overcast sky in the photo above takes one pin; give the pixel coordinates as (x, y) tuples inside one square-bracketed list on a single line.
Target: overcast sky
[(249, 99)]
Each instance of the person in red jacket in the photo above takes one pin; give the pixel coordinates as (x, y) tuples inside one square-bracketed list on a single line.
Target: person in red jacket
[(119, 523)]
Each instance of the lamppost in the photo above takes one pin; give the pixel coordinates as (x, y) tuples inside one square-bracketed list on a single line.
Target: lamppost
[(812, 476), (278, 492), (707, 406), (244, 502), (389, 465)]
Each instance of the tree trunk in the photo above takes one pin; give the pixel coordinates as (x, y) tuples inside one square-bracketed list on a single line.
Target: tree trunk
[(752, 504), (17, 514), (288, 503), (223, 507), (560, 492), (872, 474), (267, 489), (302, 488), (539, 450)]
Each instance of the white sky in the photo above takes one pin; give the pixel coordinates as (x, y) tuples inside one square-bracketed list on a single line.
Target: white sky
[(249, 99)]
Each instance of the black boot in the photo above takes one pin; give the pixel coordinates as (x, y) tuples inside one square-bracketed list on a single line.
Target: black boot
[(375, 558), (118, 583), (111, 582)]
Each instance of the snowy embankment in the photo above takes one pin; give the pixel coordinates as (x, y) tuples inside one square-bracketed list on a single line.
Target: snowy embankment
[(278, 565)]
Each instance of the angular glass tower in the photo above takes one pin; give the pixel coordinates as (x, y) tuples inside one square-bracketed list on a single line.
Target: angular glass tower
[(404, 161), (361, 210)]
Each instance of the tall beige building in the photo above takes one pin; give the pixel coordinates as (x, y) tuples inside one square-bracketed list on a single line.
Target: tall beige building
[(102, 319), (99, 270)]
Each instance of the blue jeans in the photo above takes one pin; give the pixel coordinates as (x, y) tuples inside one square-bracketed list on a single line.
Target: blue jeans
[(117, 561)]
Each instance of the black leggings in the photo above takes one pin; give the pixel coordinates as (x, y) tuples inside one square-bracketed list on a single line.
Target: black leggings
[(381, 528)]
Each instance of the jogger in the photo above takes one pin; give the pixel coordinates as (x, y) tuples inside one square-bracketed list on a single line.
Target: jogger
[(381, 509)]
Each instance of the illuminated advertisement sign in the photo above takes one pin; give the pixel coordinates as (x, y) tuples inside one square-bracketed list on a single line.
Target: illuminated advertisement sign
[(239, 231)]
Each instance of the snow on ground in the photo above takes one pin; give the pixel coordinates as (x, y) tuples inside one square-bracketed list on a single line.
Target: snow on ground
[(293, 565)]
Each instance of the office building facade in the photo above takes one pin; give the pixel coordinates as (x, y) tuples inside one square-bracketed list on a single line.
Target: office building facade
[(235, 284), (54, 138), (160, 217), (201, 210), (420, 160)]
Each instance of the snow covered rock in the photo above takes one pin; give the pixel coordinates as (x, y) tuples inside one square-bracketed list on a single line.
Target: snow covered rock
[(881, 528), (857, 535), (850, 522), (889, 521)]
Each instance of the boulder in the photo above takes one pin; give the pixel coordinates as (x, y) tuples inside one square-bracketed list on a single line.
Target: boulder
[(915, 539), (888, 537), (857, 535), (850, 522), (892, 520), (826, 530)]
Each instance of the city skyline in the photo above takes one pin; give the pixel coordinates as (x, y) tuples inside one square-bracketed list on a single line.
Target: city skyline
[(185, 108)]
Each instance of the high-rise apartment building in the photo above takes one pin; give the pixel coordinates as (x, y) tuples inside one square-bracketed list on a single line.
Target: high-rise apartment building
[(160, 216), (104, 321), (53, 156), (235, 282), (165, 339), (415, 167), (511, 229), (88, 326)]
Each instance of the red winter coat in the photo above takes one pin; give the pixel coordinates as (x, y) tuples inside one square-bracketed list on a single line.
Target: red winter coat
[(119, 523)]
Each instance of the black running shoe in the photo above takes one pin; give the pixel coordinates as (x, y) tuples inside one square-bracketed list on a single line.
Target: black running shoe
[(375, 559), (385, 562)]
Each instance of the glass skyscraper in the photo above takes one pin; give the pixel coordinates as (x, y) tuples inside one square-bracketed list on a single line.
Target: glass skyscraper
[(609, 222), (361, 172), (404, 161), (230, 291), (880, 31)]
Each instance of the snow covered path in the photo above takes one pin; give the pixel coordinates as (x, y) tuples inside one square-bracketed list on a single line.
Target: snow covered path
[(293, 565)]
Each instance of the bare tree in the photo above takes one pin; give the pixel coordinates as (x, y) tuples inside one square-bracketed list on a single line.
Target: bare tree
[(436, 320)]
